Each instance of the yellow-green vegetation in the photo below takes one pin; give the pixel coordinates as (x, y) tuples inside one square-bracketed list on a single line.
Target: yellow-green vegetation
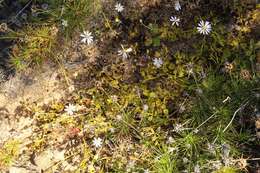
[(173, 99), (8, 153), (34, 46), (227, 170)]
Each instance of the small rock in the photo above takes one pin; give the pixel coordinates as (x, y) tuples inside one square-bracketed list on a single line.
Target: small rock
[(18, 170), (44, 160)]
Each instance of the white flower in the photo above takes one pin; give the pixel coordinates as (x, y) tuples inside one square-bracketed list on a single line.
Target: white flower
[(114, 98), (146, 171), (119, 117), (217, 165), (145, 107), (97, 142), (185, 160), (70, 109), (124, 52), (177, 6), (204, 27), (197, 169), (157, 62), (64, 23), (175, 20), (119, 7), (172, 149), (87, 37), (178, 128), (170, 140)]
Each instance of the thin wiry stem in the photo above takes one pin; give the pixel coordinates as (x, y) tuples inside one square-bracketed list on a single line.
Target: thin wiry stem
[(28, 3), (234, 115), (206, 120)]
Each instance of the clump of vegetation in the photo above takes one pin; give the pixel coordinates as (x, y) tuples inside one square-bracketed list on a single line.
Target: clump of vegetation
[(175, 92), (47, 23), (8, 153), (35, 45)]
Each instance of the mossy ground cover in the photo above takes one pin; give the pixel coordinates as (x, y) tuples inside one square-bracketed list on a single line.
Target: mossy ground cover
[(158, 97)]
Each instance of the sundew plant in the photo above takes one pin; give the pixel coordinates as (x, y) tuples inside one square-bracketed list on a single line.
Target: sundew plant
[(146, 86)]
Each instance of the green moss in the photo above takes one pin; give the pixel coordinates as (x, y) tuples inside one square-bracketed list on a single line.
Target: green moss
[(227, 170)]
